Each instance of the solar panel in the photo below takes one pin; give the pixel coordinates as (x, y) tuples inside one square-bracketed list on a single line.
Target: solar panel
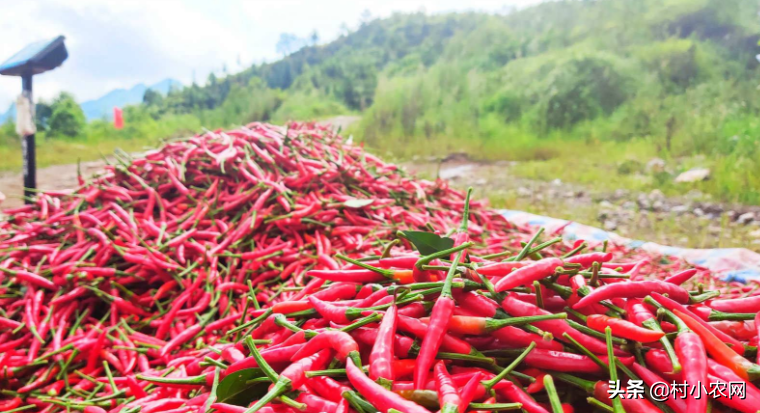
[(35, 58)]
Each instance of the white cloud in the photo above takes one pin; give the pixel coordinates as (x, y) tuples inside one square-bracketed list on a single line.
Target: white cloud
[(121, 43)]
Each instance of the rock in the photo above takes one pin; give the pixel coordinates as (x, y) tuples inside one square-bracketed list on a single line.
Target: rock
[(658, 205), (714, 209), (698, 212), (481, 182), (693, 175), (606, 205), (656, 165), (557, 182), (679, 209), (745, 218), (523, 192), (629, 205), (455, 172), (620, 193), (656, 195), (644, 202), (755, 233), (610, 225), (730, 214), (456, 157)]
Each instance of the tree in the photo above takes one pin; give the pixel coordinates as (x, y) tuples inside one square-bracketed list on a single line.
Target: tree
[(67, 118), (42, 113), (290, 43), (365, 17), (152, 98)]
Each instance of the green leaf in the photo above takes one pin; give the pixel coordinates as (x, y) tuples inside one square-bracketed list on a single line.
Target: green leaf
[(233, 389), (427, 242), (358, 203)]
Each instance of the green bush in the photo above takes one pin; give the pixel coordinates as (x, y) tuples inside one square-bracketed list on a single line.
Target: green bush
[(581, 88), (67, 118)]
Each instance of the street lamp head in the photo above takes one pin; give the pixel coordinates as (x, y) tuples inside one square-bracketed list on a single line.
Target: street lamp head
[(36, 58)]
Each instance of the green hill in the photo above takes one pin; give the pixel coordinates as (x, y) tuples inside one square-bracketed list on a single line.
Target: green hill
[(585, 90)]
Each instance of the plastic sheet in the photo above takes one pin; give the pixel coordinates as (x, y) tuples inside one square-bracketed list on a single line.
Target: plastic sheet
[(730, 264)]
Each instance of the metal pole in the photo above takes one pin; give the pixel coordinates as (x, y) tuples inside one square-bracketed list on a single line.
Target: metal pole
[(28, 148)]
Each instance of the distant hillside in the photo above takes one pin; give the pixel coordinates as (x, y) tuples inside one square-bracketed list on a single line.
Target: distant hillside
[(103, 106), (675, 79)]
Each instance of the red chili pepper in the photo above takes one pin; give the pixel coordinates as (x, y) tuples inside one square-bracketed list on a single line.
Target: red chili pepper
[(672, 306), (718, 370), (419, 329), (31, 278), (518, 308), (622, 328), (587, 259), (737, 305), (359, 276), (500, 269), (634, 289), (736, 403), (294, 376), (512, 392), (272, 356), (566, 362), (316, 404), (448, 395), (526, 275), (402, 345), (719, 350), (378, 395), (681, 277), (180, 339), (441, 314), (691, 353), (343, 344), (381, 357)]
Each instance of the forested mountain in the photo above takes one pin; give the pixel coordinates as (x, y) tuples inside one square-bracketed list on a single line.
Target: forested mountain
[(645, 68)]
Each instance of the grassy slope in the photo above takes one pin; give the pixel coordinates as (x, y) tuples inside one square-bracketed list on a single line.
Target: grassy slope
[(589, 92)]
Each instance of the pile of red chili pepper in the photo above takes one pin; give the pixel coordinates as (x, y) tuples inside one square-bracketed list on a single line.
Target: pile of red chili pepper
[(280, 269)]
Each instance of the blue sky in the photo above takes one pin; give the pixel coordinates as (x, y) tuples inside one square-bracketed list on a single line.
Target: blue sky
[(120, 43)]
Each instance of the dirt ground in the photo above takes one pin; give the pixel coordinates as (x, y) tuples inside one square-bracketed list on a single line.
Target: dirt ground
[(690, 221), (53, 177)]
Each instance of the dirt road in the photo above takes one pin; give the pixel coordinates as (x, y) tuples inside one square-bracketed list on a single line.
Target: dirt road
[(52, 177)]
